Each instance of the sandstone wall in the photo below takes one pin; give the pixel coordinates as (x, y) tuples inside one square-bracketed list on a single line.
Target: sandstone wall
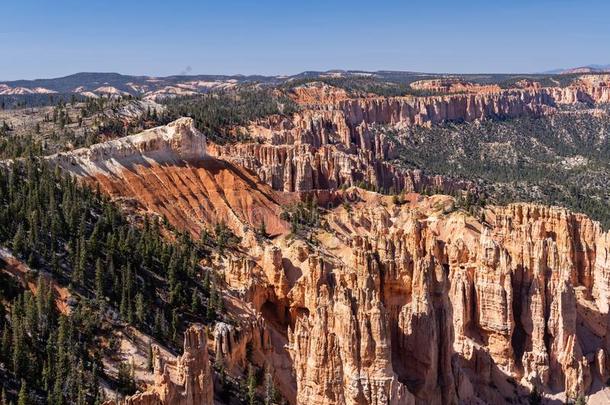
[(422, 307)]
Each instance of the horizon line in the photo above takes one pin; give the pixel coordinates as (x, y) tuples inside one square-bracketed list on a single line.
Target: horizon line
[(547, 72)]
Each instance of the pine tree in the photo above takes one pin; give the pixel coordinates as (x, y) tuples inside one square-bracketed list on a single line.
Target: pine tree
[(124, 296), (175, 325), (193, 263), (140, 309), (19, 353), (31, 261), (206, 283), (19, 240), (57, 395), (270, 392), (46, 376), (160, 326), (41, 307), (125, 378), (129, 292), (5, 344), (82, 260), (31, 315), (23, 398), (96, 391), (172, 280), (195, 302), (81, 393), (99, 281), (78, 262), (150, 359), (251, 386), (211, 308), (220, 304)]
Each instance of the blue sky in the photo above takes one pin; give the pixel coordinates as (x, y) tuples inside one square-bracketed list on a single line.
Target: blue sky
[(56, 38)]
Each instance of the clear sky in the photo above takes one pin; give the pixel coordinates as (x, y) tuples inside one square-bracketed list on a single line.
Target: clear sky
[(58, 37)]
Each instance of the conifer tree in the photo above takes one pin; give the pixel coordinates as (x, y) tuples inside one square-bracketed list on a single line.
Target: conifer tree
[(270, 392), (220, 304), (195, 302), (160, 325), (175, 325), (99, 280), (251, 384), (23, 398), (18, 348), (211, 307), (19, 240), (140, 309), (206, 283), (5, 344)]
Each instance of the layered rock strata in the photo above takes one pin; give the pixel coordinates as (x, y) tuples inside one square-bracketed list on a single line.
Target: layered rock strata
[(167, 171), (176, 141), (342, 140)]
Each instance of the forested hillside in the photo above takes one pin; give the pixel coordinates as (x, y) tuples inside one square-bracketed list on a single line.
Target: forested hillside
[(117, 273), (215, 114), (66, 125), (563, 159)]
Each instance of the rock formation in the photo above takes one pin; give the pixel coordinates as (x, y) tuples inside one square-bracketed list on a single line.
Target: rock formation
[(453, 85), (167, 171), (176, 141), (304, 168), (419, 303), (450, 308), (187, 381), (386, 302), (338, 139)]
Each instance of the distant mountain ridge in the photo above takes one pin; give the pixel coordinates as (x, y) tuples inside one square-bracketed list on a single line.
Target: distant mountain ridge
[(92, 80), (95, 84), (91, 84), (581, 69)]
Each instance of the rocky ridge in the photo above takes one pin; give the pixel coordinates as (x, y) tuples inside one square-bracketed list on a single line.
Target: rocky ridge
[(177, 140), (167, 171), (453, 85)]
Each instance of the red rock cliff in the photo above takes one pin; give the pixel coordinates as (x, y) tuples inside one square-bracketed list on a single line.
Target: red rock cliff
[(334, 140)]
